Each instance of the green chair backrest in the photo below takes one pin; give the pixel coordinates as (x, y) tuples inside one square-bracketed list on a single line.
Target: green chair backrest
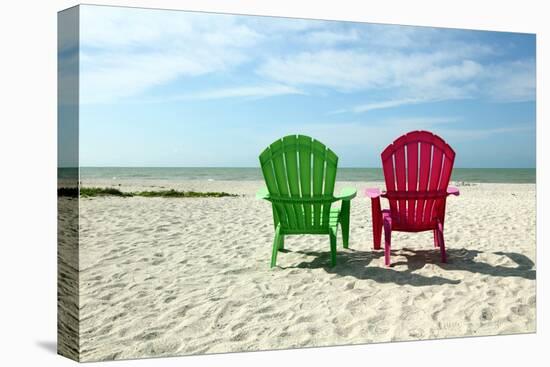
[(300, 173)]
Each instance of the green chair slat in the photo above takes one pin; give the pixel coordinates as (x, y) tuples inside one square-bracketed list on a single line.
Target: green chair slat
[(318, 150), (304, 151), (290, 144)]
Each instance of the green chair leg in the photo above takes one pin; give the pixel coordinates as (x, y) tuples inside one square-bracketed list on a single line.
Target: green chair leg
[(332, 248), (276, 244), (281, 241), (344, 222)]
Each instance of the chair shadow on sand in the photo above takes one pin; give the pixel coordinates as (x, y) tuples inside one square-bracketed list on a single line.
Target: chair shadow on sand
[(355, 263)]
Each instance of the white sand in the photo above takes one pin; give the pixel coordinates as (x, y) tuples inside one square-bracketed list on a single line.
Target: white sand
[(162, 277)]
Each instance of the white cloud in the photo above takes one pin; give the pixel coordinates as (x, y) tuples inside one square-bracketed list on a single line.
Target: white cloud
[(416, 76), (329, 38), (340, 69), (115, 27), (504, 82), (396, 36), (126, 51), (281, 26), (438, 75), (512, 81), (381, 105), (422, 122), (253, 92), (112, 76), (471, 134)]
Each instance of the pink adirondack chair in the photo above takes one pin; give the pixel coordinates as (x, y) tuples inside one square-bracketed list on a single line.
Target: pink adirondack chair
[(417, 169)]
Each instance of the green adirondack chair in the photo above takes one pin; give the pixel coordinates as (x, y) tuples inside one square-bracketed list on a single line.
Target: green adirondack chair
[(300, 174)]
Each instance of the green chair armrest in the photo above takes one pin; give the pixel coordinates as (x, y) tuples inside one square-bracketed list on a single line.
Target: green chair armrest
[(347, 193), (262, 193)]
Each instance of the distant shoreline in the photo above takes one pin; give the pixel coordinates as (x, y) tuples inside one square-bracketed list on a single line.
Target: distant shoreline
[(469, 175)]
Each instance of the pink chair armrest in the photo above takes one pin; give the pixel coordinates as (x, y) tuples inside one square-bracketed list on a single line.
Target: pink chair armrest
[(373, 193), (451, 190)]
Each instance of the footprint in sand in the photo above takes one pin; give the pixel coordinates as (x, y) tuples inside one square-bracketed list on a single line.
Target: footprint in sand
[(378, 330), (240, 336), (147, 336), (376, 319), (486, 315), (304, 319), (118, 316), (416, 333), (170, 299), (520, 310), (312, 331), (107, 297), (157, 262), (491, 293), (105, 330), (266, 309), (237, 326), (350, 285)]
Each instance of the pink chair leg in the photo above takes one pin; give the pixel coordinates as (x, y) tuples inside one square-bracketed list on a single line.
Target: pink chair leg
[(441, 241), (376, 223), (387, 241), (436, 238)]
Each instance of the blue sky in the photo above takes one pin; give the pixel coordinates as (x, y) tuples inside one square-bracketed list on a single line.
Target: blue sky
[(172, 88)]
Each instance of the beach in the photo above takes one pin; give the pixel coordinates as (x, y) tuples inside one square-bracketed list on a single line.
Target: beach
[(178, 276)]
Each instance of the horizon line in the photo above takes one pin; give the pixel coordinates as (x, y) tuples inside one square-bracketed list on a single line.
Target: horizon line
[(257, 167)]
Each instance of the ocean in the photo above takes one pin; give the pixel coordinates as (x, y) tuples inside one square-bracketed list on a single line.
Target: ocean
[(488, 175)]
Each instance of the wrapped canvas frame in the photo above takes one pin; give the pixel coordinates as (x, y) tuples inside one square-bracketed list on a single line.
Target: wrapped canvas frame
[(69, 334)]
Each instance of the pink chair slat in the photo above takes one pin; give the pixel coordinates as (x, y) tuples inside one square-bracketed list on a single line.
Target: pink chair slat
[(412, 177), (388, 167), (424, 175), (435, 175), (401, 178), (445, 177), (448, 162)]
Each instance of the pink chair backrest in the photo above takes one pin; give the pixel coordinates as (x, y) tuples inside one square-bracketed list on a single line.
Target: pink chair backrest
[(417, 169)]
